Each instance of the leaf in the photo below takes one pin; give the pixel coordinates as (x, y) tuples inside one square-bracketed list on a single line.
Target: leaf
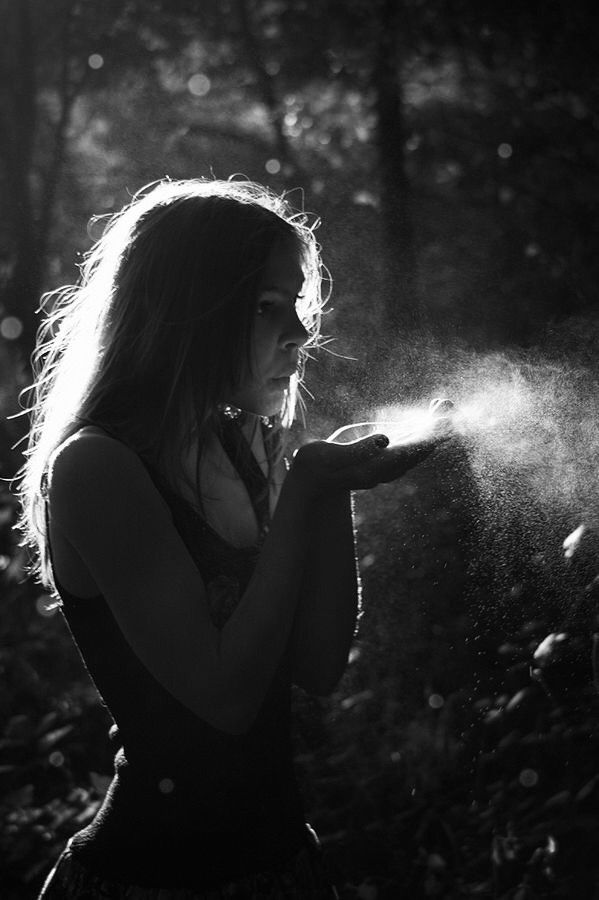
[(587, 789), (559, 799), (19, 727), (53, 737), (47, 722), (518, 699)]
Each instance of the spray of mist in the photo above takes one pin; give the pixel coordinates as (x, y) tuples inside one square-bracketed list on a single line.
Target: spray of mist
[(527, 421)]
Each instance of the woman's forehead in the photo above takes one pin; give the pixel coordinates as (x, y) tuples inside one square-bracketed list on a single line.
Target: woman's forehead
[(283, 267)]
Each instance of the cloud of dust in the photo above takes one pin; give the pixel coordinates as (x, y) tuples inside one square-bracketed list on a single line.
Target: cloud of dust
[(527, 422)]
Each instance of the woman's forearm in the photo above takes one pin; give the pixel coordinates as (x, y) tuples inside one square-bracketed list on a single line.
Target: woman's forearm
[(329, 599), (254, 639)]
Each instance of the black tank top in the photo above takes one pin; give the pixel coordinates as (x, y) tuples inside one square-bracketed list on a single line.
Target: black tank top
[(189, 806)]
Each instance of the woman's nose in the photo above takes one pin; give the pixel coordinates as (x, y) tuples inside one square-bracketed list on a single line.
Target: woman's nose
[(296, 334)]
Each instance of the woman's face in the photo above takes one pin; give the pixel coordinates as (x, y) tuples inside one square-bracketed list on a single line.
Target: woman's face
[(277, 336)]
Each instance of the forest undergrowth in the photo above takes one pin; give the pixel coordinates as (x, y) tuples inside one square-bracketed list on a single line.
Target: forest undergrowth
[(446, 764)]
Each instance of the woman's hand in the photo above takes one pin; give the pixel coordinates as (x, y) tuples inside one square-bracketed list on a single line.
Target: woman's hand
[(325, 466)]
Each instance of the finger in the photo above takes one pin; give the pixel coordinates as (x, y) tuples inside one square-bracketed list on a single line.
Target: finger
[(443, 428), (362, 448), (441, 406), (349, 434), (370, 446)]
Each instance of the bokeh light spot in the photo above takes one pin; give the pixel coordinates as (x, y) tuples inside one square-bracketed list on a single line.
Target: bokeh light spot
[(528, 778), (199, 85), (504, 151), (572, 542), (11, 328), (436, 701), (354, 655), (166, 786), (95, 61), (272, 166), (56, 759)]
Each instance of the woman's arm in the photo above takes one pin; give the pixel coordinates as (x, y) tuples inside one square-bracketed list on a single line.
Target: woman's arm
[(329, 599), (330, 595), (105, 505)]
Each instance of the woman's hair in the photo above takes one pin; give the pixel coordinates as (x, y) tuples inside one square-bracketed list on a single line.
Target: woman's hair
[(158, 328)]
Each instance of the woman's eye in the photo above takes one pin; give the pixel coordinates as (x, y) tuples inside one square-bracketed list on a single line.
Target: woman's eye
[(264, 306)]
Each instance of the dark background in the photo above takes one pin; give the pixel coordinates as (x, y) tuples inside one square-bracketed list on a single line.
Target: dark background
[(451, 150)]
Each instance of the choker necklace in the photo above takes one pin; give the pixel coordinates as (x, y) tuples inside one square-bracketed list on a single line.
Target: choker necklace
[(230, 412)]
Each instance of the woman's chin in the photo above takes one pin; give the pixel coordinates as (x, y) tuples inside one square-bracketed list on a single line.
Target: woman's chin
[(270, 400)]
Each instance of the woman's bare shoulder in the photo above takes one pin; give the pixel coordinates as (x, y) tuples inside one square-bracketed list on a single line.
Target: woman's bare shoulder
[(89, 451), (91, 469)]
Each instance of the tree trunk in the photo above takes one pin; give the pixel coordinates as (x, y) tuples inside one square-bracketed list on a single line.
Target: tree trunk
[(21, 121), (401, 302), (32, 216), (266, 86)]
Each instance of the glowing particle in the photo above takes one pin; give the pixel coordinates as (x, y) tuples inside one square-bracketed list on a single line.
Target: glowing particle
[(95, 61), (441, 406), (395, 756), (166, 786), (436, 701), (365, 198), (367, 560), (4, 562), (572, 542), (56, 759), (272, 166), (11, 328), (528, 778), (548, 646), (199, 85), (360, 697), (354, 655), (504, 151)]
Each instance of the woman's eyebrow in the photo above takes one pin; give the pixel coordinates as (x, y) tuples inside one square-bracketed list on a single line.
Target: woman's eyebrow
[(279, 290)]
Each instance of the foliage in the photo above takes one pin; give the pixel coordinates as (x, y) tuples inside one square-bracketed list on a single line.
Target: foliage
[(484, 168), (460, 139), (433, 770)]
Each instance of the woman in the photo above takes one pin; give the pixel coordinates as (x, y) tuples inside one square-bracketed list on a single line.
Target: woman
[(199, 577)]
